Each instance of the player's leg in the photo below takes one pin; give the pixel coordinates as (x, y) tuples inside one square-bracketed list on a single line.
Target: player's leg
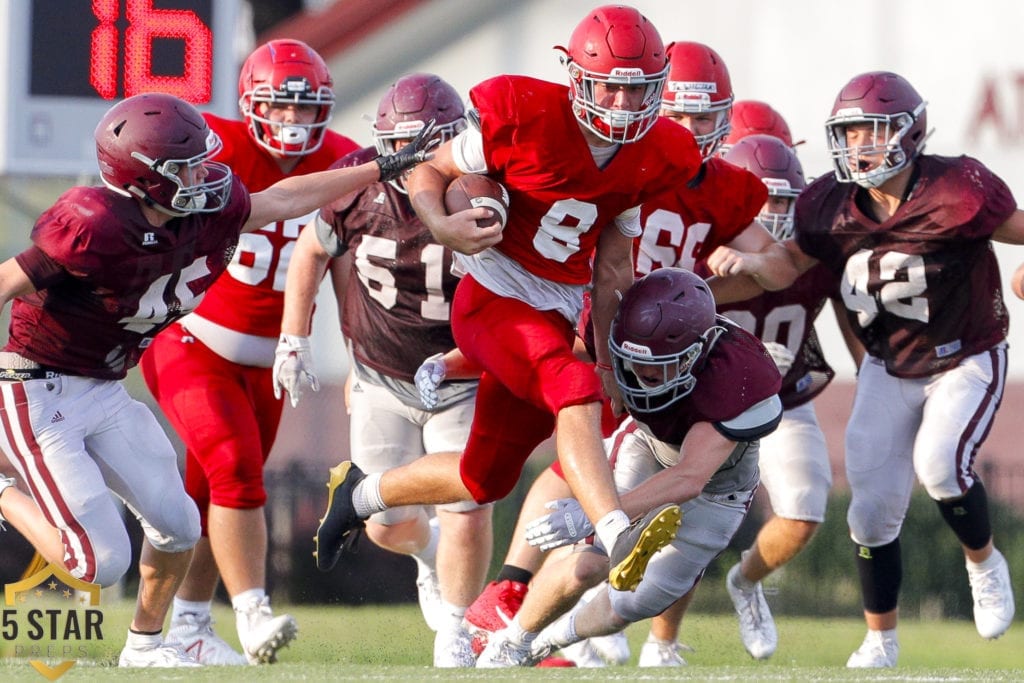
[(879, 468), (958, 415)]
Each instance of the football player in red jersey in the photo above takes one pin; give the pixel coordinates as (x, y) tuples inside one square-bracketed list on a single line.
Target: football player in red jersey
[(569, 158), (677, 365), (907, 237), (396, 312), (211, 371), (754, 117), (108, 269)]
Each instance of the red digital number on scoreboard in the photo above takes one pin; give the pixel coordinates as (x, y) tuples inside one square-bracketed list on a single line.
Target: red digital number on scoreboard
[(147, 24)]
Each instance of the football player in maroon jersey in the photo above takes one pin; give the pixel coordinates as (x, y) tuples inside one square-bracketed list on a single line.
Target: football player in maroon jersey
[(228, 344), (108, 269), (907, 237), (396, 312), (677, 365), (569, 159)]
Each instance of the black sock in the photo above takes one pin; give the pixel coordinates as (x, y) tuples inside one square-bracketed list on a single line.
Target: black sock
[(514, 573)]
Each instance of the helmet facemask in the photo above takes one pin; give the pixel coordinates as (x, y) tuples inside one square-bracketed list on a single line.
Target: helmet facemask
[(615, 125), (208, 195), (892, 156)]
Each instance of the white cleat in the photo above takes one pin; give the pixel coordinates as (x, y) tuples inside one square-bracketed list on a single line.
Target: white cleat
[(880, 650), (757, 628), (261, 633), (993, 596), (583, 655), (503, 653), (657, 653), (195, 634), (613, 648), (161, 655), (428, 593), (453, 648)]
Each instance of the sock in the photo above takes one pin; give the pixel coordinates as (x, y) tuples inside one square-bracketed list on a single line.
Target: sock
[(183, 607), (143, 641), (452, 616), (742, 582), (366, 496), (562, 632), (427, 558), (242, 601), (609, 527), (990, 563), (514, 573), (517, 634)]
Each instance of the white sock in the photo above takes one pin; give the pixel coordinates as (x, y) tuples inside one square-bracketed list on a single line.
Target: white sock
[(609, 527), (517, 634), (183, 607), (989, 563), (452, 616), (366, 497), (142, 641), (246, 598), (428, 556)]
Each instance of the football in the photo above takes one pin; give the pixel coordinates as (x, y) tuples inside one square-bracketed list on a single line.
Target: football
[(472, 190)]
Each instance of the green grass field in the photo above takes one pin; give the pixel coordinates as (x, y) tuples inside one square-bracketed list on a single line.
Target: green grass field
[(392, 643)]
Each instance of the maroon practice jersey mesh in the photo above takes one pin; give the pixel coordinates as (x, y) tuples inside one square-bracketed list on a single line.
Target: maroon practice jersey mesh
[(119, 281), (398, 304), (921, 289)]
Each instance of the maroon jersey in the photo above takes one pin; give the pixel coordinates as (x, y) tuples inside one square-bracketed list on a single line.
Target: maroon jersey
[(922, 289), (686, 224), (560, 200), (736, 375), (397, 307), (787, 317), (109, 281)]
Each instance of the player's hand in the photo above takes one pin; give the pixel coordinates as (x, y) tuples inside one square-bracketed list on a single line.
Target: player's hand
[(419, 149), (460, 232), (293, 367), (564, 525), (429, 376), (611, 389), (726, 261), (1017, 282), (782, 356)]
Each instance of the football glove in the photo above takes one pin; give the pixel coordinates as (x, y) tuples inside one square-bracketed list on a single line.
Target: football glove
[(564, 525), (293, 367), (429, 376), (419, 149)]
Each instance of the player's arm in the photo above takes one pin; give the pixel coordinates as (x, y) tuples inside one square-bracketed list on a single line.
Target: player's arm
[(427, 184), (14, 282), (296, 196), (613, 275), (853, 344), (754, 252), (777, 268), (1012, 231)]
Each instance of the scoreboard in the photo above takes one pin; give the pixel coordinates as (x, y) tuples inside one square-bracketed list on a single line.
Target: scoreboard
[(65, 62)]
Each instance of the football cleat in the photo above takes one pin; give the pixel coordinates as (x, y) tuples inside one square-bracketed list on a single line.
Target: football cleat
[(637, 544), (494, 609), (161, 655), (613, 648), (993, 596), (261, 633), (757, 627), (195, 634), (657, 653), (879, 650), (341, 519), (453, 648), (583, 655), (502, 652)]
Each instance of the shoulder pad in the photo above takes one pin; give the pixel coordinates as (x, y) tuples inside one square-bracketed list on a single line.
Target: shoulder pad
[(759, 420), (327, 237)]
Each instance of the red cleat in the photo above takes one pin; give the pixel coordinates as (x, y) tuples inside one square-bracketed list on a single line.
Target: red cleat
[(494, 609)]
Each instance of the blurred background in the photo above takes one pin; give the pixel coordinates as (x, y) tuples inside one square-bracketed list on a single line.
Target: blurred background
[(62, 64)]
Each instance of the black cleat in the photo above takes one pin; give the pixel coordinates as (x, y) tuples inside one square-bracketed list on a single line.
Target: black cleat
[(341, 519), (635, 546)]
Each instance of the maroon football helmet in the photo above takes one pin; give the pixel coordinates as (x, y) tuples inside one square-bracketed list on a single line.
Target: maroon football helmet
[(775, 163), (409, 104), (754, 117), (617, 45), (158, 147), (890, 104), (698, 83), (665, 324), (283, 72)]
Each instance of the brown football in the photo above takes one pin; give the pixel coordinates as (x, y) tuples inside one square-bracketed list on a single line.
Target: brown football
[(472, 190)]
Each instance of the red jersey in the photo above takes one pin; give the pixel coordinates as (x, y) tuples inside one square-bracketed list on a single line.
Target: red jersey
[(922, 289), (250, 297), (533, 145), (109, 281), (397, 308), (687, 223)]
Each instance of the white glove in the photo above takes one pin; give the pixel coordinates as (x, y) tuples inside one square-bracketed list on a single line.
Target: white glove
[(429, 376), (293, 365), (564, 525), (782, 356)]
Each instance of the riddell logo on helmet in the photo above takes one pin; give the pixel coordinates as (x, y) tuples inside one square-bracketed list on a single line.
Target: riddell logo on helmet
[(692, 86), (619, 72), (636, 349)]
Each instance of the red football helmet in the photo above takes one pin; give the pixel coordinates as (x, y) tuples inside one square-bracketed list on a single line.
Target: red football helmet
[(889, 103), (158, 148), (409, 104), (754, 117), (775, 163), (617, 45), (665, 324), (283, 72), (698, 83)]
